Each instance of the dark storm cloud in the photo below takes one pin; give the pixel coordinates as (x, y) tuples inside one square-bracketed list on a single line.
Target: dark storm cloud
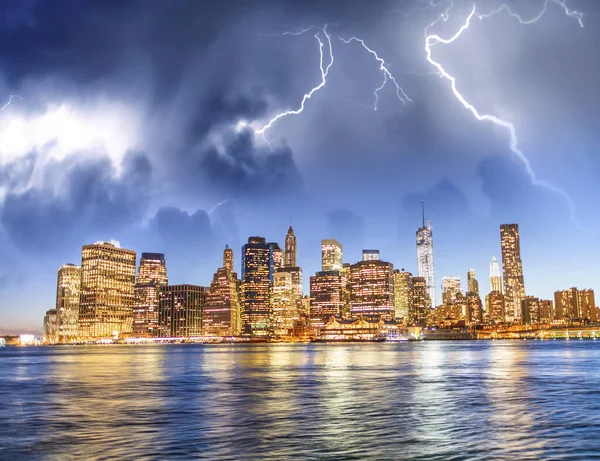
[(444, 201), (93, 201)]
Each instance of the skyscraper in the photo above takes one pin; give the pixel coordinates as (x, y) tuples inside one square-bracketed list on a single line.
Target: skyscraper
[(494, 302), (495, 276), (50, 327), (421, 304), (370, 255), (588, 305), (450, 288), (277, 258), (284, 308), (326, 295), (68, 292), (372, 290), (403, 287), (512, 268), (331, 255), (221, 315), (474, 308), (425, 264), (107, 290), (257, 277), (567, 304), (152, 275), (290, 249), (180, 311), (472, 283)]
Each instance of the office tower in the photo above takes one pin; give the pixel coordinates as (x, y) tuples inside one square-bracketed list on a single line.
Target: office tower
[(284, 309), (326, 295), (290, 249), (296, 275), (257, 277), (346, 290), (107, 290), (567, 303), (68, 291), (512, 268), (534, 310), (495, 276), (370, 255), (425, 264), (50, 327), (180, 311), (372, 290), (152, 275), (474, 308), (587, 305), (331, 255), (305, 311), (421, 304), (450, 288), (403, 287), (472, 283), (277, 258), (546, 310), (494, 303), (221, 315)]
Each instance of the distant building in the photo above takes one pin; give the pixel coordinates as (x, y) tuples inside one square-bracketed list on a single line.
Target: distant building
[(450, 289), (512, 267), (472, 283), (277, 257), (372, 290), (284, 309), (151, 277), (50, 327), (495, 306), (474, 308), (331, 255), (403, 294), (68, 292), (566, 303), (290, 249), (326, 296), (257, 277), (587, 305), (421, 304), (346, 290), (180, 311), (546, 310), (531, 309), (107, 290), (425, 263), (370, 255), (221, 315), (495, 276)]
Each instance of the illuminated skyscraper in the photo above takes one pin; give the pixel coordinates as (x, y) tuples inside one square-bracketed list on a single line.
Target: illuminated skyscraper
[(277, 258), (221, 315), (421, 304), (50, 327), (331, 255), (474, 308), (180, 311), (567, 303), (472, 283), (425, 264), (587, 305), (290, 249), (512, 268), (372, 290), (403, 287), (450, 288), (495, 276), (346, 290), (535, 310), (107, 290), (257, 277), (370, 255), (284, 309), (494, 303), (152, 275), (68, 292), (326, 295)]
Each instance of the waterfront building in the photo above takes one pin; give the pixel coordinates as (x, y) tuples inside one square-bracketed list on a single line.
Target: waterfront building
[(403, 287), (472, 283), (221, 315), (587, 305), (257, 277), (331, 255), (370, 255), (425, 263), (151, 277), (107, 290), (450, 288), (495, 306), (326, 296), (567, 303), (546, 310), (290, 249), (495, 276), (68, 292), (421, 303), (512, 268), (296, 277), (284, 308), (180, 311), (372, 290), (50, 327), (474, 308)]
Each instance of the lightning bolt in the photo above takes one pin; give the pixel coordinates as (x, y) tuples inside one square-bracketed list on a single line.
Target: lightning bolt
[(433, 39), (222, 202), (386, 73), (12, 96), (571, 13), (324, 72)]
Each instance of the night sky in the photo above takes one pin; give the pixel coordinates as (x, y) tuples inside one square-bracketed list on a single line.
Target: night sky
[(138, 118)]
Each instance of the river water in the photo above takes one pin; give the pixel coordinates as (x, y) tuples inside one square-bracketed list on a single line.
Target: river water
[(427, 400)]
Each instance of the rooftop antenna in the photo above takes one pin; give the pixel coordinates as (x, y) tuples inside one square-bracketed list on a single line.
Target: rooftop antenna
[(423, 211)]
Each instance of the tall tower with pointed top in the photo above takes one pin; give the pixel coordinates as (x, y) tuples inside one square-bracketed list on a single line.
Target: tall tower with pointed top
[(425, 255), (228, 258), (290, 249), (495, 276)]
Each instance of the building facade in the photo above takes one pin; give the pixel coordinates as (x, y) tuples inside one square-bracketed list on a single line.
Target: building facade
[(495, 276), (290, 249), (68, 292), (180, 311), (450, 289), (512, 269), (326, 296), (425, 264), (372, 290), (403, 294), (283, 305), (495, 307), (107, 290), (50, 327), (472, 283), (257, 278), (421, 304), (331, 255), (151, 277)]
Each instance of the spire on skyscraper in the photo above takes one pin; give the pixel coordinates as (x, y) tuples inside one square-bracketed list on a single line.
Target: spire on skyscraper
[(290, 248)]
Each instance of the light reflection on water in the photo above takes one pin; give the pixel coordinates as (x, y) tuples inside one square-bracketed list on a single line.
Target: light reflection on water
[(428, 400)]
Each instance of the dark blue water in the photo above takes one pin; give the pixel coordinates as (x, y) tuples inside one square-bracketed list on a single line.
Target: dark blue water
[(427, 400)]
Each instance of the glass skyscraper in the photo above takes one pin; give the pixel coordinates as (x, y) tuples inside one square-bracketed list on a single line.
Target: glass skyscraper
[(425, 266), (512, 268)]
